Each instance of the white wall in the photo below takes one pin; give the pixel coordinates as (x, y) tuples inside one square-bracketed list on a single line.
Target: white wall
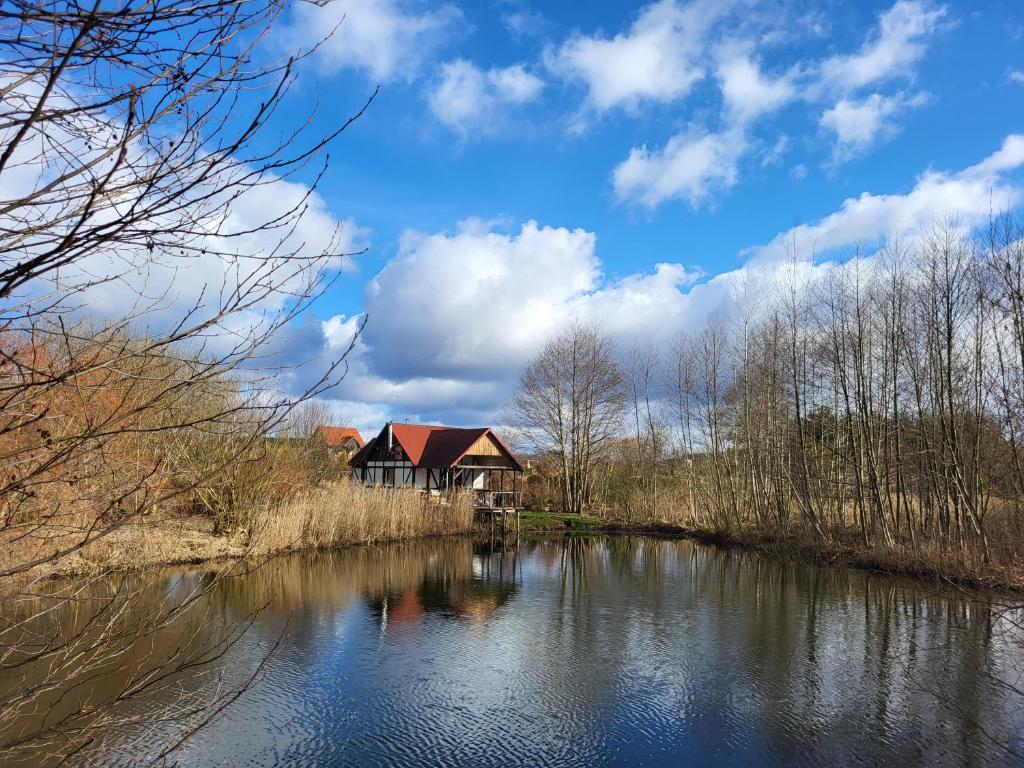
[(403, 474)]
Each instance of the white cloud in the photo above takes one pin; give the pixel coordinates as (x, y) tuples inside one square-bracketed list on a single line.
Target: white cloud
[(969, 195), (691, 167), (646, 306), (898, 45), (655, 60), (388, 39), (747, 93), (1008, 157), (466, 98), (696, 164), (1015, 76), (523, 22), (774, 154), (464, 302), (454, 316), (514, 84), (858, 124)]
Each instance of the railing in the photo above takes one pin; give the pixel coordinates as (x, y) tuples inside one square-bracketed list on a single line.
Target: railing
[(496, 499)]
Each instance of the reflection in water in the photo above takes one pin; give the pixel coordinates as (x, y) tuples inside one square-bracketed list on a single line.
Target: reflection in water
[(608, 650), (448, 593)]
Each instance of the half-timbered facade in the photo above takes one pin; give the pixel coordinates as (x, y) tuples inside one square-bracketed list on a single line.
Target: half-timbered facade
[(437, 459)]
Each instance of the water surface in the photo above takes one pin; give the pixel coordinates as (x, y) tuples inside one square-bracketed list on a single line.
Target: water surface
[(607, 651)]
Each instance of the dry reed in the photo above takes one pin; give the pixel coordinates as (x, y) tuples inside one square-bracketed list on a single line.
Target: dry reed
[(345, 512), (337, 514)]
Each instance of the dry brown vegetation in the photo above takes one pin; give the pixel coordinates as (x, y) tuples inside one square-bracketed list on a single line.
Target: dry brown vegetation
[(132, 439), (144, 277), (346, 512), (136, 461), (339, 513), (868, 411)]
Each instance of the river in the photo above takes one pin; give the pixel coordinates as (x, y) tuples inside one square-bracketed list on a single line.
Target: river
[(618, 650)]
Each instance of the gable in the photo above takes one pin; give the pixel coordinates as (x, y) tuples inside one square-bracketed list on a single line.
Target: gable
[(485, 445)]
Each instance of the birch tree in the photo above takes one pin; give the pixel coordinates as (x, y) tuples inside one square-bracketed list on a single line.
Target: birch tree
[(570, 401)]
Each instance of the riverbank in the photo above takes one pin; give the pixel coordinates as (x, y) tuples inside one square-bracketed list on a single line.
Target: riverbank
[(346, 514), (837, 552), (338, 514)]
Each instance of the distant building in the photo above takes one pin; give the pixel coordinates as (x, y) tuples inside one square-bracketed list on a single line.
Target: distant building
[(344, 441), (438, 459)]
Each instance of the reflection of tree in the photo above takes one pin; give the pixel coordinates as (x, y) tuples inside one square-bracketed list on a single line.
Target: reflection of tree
[(788, 651), (850, 651), (608, 635), (574, 567)]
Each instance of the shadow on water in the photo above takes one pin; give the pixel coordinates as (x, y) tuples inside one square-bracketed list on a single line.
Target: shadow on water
[(600, 651)]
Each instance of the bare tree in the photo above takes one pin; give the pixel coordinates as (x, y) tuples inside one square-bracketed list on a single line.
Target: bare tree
[(571, 401), (875, 405), (136, 156)]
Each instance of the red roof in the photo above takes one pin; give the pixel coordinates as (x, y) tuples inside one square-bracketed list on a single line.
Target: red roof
[(430, 446), (434, 446), (336, 437)]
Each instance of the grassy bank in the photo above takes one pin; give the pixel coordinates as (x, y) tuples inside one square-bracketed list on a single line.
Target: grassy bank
[(836, 551), (850, 553), (341, 513), (559, 522)]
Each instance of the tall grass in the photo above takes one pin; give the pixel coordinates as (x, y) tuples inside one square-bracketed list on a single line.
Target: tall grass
[(345, 512), (336, 514)]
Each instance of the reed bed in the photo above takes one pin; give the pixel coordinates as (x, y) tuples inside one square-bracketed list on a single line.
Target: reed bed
[(344, 512), (336, 514)]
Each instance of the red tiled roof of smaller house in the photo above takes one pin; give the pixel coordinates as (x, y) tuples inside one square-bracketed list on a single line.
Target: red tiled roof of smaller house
[(337, 437)]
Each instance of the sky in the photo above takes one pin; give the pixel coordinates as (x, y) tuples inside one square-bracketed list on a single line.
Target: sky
[(525, 164)]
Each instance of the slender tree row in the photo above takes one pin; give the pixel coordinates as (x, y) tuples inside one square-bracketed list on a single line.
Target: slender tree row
[(882, 395), (877, 402)]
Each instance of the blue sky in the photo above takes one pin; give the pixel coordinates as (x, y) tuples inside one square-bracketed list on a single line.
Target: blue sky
[(528, 163)]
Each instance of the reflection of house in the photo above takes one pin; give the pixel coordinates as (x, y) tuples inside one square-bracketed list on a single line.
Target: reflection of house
[(447, 593), (438, 459), (406, 609), (344, 441)]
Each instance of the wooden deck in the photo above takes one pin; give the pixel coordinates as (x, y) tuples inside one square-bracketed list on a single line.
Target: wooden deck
[(496, 500), (499, 508)]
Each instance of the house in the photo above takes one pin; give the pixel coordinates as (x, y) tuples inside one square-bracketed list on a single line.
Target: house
[(344, 441), (438, 459)]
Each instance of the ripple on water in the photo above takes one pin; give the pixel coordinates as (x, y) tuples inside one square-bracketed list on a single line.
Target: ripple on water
[(619, 651)]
